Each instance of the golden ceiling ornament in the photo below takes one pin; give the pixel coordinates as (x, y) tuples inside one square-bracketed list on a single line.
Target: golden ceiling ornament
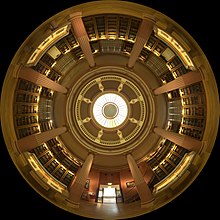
[(117, 86)]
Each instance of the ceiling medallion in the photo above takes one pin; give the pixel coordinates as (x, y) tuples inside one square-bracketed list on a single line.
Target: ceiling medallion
[(110, 110)]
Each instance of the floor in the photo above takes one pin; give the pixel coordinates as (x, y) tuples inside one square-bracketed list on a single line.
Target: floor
[(110, 210)]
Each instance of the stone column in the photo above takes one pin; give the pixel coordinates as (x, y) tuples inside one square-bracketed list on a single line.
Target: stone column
[(180, 82), (143, 190), (184, 141), (77, 186), (40, 79), (146, 171), (82, 37), (143, 34), (30, 142)]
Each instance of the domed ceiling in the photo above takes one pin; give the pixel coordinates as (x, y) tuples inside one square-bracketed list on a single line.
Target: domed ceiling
[(109, 95)]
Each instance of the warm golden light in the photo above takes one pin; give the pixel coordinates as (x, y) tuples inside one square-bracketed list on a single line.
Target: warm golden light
[(177, 47), (46, 43), (176, 174)]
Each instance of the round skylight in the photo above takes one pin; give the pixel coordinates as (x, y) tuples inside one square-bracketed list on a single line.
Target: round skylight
[(110, 110)]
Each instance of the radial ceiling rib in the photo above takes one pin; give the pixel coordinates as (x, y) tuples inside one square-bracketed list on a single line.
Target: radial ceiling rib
[(33, 76), (180, 82), (142, 37), (82, 37), (30, 142), (185, 141)]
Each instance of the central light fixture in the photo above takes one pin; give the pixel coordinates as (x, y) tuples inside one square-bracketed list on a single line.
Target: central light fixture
[(110, 110)]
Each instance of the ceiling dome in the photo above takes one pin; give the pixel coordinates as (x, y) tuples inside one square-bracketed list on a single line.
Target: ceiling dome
[(109, 95)]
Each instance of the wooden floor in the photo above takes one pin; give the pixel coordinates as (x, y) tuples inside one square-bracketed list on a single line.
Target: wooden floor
[(110, 210)]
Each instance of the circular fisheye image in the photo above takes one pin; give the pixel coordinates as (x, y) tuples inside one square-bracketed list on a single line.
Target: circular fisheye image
[(109, 110)]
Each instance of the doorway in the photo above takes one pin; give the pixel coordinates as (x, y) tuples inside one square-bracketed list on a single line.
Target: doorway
[(109, 194)]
